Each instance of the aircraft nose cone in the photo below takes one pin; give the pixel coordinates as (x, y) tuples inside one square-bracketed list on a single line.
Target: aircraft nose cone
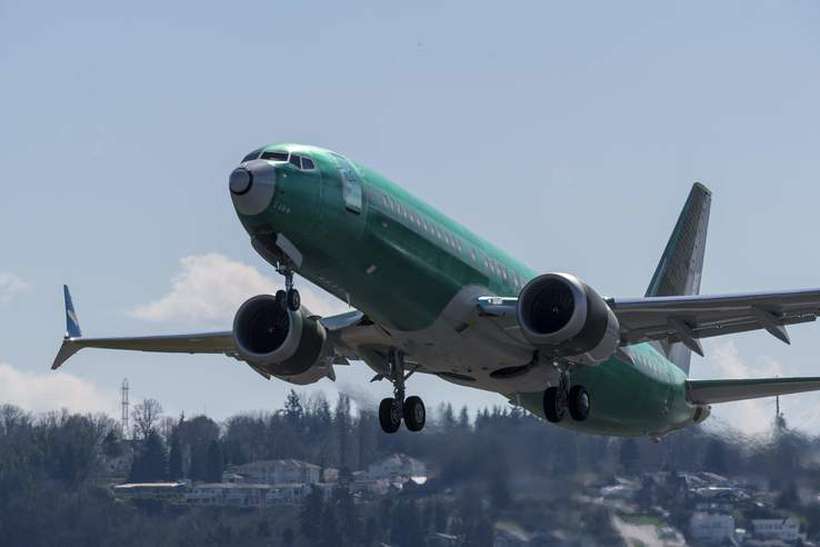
[(240, 181), (252, 186)]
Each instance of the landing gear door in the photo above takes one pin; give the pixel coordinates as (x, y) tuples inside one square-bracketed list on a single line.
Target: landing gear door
[(351, 184)]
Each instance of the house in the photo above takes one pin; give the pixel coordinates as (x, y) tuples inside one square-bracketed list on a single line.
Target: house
[(277, 472), (398, 467), (711, 527), (223, 493), (168, 491), (287, 493), (783, 529)]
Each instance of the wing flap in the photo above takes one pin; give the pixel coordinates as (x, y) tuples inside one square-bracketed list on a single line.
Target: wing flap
[(706, 392)]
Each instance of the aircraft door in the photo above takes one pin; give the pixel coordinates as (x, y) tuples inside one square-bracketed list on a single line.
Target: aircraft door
[(351, 184)]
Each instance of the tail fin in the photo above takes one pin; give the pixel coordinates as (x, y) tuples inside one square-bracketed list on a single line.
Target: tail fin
[(679, 270)]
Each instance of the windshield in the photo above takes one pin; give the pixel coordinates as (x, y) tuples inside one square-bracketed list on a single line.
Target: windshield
[(252, 156), (275, 155)]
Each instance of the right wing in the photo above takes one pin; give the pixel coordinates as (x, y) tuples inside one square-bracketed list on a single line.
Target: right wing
[(705, 392)]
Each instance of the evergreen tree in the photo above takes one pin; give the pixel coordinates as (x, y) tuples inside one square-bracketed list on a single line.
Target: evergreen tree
[(341, 422), (175, 471), (329, 527), (150, 463), (294, 413), (715, 458), (464, 419), (215, 464), (310, 514)]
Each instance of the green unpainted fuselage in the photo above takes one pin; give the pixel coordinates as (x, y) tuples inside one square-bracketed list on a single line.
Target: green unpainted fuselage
[(401, 262)]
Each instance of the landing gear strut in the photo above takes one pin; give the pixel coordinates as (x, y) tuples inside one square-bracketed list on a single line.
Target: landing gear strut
[(393, 409), (561, 398), (289, 298)]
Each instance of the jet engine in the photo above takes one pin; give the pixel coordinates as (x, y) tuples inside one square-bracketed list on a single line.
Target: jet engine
[(290, 345), (564, 317)]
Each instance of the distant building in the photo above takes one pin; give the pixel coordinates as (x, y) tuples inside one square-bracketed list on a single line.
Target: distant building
[(711, 527), (398, 467), (223, 493), (783, 529), (287, 494), (150, 490), (275, 472)]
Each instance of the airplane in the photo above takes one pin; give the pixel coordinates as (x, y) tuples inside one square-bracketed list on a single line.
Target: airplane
[(428, 296)]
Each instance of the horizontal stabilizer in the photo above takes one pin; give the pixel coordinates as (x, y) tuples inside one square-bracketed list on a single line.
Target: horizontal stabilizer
[(704, 392)]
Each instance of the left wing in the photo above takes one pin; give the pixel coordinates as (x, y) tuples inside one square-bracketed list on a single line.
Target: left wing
[(206, 342), (687, 319), (347, 331)]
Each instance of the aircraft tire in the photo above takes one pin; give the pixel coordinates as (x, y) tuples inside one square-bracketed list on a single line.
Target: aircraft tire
[(579, 404), (554, 410), (414, 413), (281, 299), (389, 415), (294, 300)]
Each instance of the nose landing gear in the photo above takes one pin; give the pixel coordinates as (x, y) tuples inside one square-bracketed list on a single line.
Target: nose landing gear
[(289, 298), (393, 409), (560, 399)]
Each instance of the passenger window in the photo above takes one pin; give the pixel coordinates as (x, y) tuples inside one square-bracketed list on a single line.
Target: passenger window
[(307, 163), (296, 160), (275, 156)]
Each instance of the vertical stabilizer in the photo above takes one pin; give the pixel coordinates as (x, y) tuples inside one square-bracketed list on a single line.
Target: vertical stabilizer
[(679, 270)]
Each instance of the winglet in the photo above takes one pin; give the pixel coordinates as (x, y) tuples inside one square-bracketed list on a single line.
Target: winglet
[(72, 332), (72, 324)]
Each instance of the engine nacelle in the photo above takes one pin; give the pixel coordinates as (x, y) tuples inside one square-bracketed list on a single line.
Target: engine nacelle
[(279, 341), (563, 316)]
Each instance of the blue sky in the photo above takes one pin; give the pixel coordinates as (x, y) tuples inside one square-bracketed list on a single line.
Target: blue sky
[(568, 133)]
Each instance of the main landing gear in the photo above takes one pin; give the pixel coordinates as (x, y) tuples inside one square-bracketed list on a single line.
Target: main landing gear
[(289, 298), (560, 399), (393, 409)]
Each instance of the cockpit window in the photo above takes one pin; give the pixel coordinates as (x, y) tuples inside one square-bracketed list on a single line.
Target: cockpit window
[(252, 156), (296, 160), (307, 163), (275, 155)]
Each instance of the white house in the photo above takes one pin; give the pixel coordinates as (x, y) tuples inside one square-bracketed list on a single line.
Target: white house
[(711, 527), (223, 493), (278, 472), (784, 529), (397, 467)]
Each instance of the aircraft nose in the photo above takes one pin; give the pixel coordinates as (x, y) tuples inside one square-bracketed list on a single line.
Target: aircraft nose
[(240, 181), (252, 186)]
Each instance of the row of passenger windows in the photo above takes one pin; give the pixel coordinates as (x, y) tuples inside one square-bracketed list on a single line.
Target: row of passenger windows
[(463, 248), (300, 162)]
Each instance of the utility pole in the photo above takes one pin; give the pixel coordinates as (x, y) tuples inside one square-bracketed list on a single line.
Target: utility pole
[(124, 418)]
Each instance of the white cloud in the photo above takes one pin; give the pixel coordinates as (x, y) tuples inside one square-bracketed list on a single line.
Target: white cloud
[(725, 362), (10, 286), (52, 391), (208, 289)]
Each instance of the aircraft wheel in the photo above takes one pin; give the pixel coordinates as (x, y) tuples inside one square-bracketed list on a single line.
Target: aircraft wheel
[(281, 299), (554, 405), (389, 415), (579, 403), (414, 413), (294, 300)]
